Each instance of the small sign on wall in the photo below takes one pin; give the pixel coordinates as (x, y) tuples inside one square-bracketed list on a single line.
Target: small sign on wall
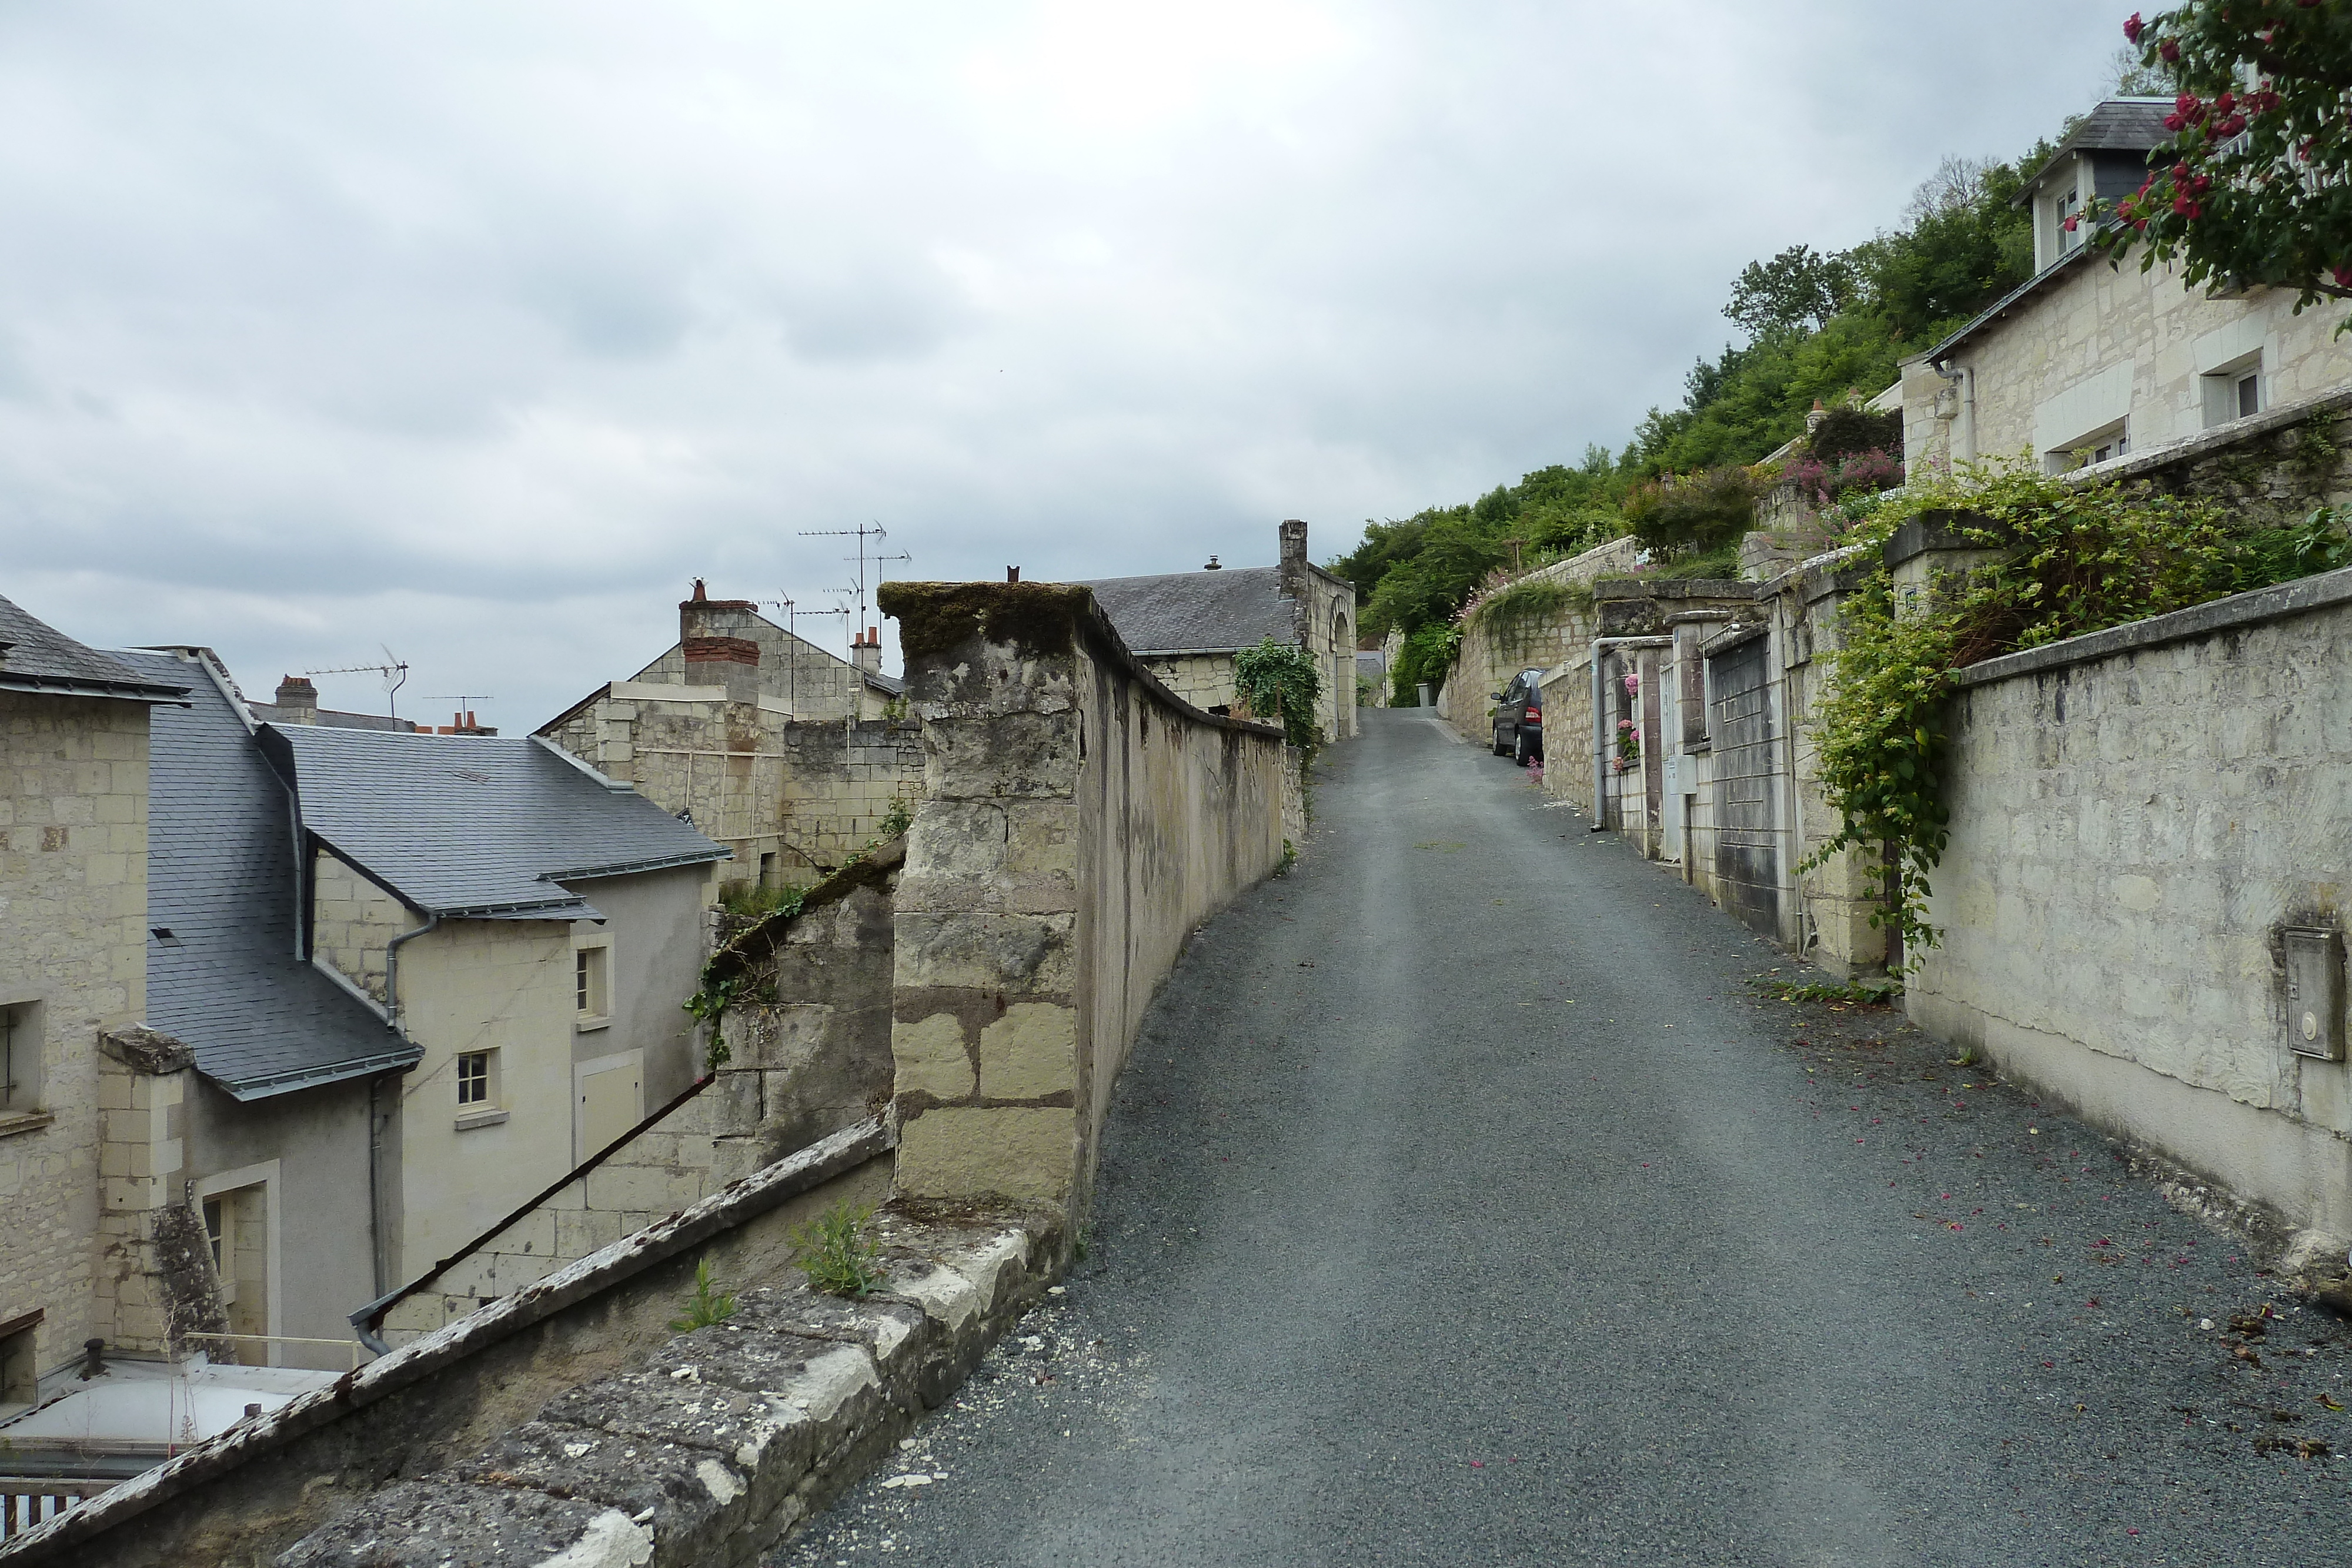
[(2314, 992)]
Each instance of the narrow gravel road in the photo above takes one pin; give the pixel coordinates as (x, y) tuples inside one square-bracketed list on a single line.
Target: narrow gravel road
[(1464, 1204)]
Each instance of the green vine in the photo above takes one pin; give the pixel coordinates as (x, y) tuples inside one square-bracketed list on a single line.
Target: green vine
[(1512, 614), (2072, 559), (1283, 679)]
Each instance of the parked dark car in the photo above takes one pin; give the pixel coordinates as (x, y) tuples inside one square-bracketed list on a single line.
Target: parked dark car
[(1518, 718)]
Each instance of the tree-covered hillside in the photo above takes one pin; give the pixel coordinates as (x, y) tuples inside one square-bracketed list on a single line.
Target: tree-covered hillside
[(1817, 325)]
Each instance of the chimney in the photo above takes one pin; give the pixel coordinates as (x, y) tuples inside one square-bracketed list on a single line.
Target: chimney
[(1012, 574), (297, 700), (865, 651), (715, 635), (1212, 565), (1813, 420), (1294, 544)]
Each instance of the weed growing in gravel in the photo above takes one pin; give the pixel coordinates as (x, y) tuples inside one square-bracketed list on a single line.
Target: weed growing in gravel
[(838, 1251), (1863, 993), (706, 1306)]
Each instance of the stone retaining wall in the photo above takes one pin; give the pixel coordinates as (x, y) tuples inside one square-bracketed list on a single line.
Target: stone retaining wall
[(2138, 818), (1078, 822)]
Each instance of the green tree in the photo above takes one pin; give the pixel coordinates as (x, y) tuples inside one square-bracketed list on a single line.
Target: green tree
[(2258, 188), (1798, 286)]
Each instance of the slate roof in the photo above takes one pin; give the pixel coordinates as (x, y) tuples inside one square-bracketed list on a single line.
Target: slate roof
[(2118, 125), (1198, 611), (476, 825), (220, 879), (37, 657)]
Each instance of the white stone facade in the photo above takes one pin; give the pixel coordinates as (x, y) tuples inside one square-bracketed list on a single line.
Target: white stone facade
[(2099, 355)]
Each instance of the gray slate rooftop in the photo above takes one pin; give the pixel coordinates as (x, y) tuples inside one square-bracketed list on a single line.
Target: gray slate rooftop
[(2118, 125), (37, 657), (1197, 611), (220, 879), (476, 825)]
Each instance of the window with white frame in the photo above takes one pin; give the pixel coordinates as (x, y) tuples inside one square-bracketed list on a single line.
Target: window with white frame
[(591, 982), (2233, 392), (474, 1079), (220, 1234), (2098, 447)]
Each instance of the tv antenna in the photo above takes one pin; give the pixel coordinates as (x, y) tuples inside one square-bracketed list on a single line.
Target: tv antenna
[(395, 670), (465, 711), (861, 534), (793, 612)]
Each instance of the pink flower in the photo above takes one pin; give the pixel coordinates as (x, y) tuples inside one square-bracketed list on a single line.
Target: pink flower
[(2168, 51), (2069, 225), (2133, 27)]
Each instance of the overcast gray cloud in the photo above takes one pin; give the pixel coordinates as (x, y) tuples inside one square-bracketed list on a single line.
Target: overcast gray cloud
[(478, 329)]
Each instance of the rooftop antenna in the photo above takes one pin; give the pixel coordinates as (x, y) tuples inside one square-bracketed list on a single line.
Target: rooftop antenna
[(395, 670), (861, 534)]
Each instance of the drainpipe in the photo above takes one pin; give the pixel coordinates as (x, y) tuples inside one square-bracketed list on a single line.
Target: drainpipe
[(1964, 434), (392, 971), (1600, 723)]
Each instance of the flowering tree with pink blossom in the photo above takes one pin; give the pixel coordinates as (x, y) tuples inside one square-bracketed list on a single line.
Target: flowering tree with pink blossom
[(2255, 186)]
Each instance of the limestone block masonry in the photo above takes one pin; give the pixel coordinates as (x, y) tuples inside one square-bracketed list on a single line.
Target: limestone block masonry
[(73, 938), (1078, 822), (727, 1439), (2138, 818)]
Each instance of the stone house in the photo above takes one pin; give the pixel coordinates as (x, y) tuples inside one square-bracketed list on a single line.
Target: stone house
[(790, 756), (2088, 360), (283, 1073), (529, 927), (73, 919), (1186, 627)]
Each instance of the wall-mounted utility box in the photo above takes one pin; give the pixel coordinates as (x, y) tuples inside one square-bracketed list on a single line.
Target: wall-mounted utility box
[(2314, 992)]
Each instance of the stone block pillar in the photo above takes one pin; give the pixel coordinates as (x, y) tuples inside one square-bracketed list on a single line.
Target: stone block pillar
[(155, 1276), (986, 1021)]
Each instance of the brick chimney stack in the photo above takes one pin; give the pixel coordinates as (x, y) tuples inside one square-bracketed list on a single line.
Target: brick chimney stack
[(297, 700), (711, 635), (1294, 544), (865, 651)]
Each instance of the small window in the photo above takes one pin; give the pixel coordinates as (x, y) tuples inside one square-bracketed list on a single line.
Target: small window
[(768, 870), (20, 1061), (20, 1369), (589, 965), (474, 1078), (2233, 392), (2069, 205), (220, 1236)]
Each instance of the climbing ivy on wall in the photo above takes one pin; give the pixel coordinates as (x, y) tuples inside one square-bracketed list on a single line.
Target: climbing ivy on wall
[(2074, 558), (1282, 678)]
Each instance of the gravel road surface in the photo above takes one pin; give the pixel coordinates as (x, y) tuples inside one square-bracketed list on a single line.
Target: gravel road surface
[(1466, 1201)]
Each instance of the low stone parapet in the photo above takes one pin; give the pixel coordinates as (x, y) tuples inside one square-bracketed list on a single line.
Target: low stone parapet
[(728, 1438)]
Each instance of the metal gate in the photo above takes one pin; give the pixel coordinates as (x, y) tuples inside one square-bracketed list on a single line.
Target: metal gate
[(1747, 814)]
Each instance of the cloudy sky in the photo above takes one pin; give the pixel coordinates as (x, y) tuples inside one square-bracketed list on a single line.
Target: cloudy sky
[(476, 330)]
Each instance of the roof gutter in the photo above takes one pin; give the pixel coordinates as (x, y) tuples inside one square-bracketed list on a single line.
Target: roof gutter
[(68, 687), (244, 1090)]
